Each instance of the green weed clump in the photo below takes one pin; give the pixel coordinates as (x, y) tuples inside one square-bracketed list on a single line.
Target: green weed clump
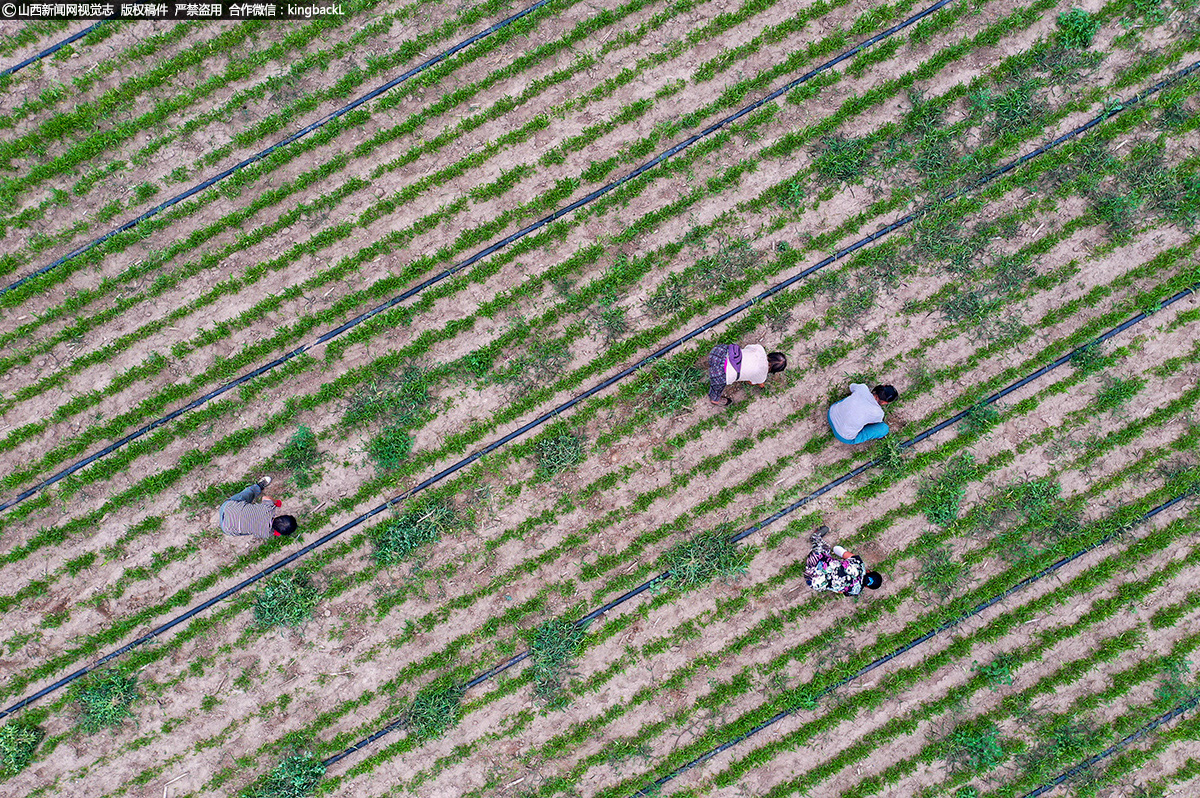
[(843, 159), (400, 537), (1176, 685), (391, 447), (559, 452), (294, 777), (999, 672), (18, 741), (707, 556), (286, 599), (300, 456), (941, 576), (1117, 393), (943, 495), (553, 645), (979, 419), (434, 711), (1077, 28), (731, 262), (672, 387), (105, 698), (1089, 359), (1058, 748), (399, 399), (975, 747)]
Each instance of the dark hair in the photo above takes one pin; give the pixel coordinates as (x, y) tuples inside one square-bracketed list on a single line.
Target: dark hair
[(886, 393), (872, 579), (776, 362), (284, 525)]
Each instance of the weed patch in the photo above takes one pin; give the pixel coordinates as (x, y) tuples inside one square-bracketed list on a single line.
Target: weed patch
[(672, 387), (18, 741), (294, 777), (434, 711), (843, 159), (553, 645), (299, 455), (559, 452), (395, 540), (942, 496), (942, 576), (105, 699), (705, 557), (1117, 393), (1077, 28), (286, 599)]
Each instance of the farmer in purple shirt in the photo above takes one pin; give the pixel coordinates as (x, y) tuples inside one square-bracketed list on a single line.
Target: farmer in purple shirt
[(730, 363)]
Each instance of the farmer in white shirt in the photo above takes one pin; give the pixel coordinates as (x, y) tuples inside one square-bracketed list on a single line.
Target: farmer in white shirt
[(859, 417)]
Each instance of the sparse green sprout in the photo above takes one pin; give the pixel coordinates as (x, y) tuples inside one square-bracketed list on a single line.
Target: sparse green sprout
[(553, 645), (105, 698), (18, 741), (434, 711), (705, 557), (941, 575), (1077, 28), (294, 777), (286, 599), (671, 386), (843, 159), (559, 452), (397, 539)]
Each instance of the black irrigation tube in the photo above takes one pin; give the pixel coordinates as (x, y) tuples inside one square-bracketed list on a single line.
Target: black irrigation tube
[(653, 787), (483, 253), (52, 50), (1087, 763), (648, 584), (258, 156), (571, 403), (490, 447)]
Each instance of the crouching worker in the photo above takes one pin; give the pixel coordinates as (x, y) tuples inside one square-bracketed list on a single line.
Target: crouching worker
[(837, 570), (243, 514), (730, 363), (859, 417)]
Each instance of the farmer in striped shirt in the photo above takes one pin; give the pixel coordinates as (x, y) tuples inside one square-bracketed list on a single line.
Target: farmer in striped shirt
[(243, 514), (837, 570)]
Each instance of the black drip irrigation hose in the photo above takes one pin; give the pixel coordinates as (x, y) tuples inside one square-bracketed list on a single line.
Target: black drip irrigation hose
[(1087, 763), (52, 50), (483, 253), (258, 156), (648, 584), (653, 787), (553, 414)]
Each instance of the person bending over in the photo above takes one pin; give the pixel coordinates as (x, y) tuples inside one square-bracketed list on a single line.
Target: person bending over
[(243, 514), (837, 570), (859, 417), (730, 363)]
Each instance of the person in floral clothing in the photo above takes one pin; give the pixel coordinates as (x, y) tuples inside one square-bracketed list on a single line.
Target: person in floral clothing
[(837, 570)]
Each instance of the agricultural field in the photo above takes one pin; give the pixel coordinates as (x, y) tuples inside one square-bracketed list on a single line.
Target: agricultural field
[(449, 273)]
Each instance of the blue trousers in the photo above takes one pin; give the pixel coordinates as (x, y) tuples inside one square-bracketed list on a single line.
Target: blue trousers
[(867, 433)]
